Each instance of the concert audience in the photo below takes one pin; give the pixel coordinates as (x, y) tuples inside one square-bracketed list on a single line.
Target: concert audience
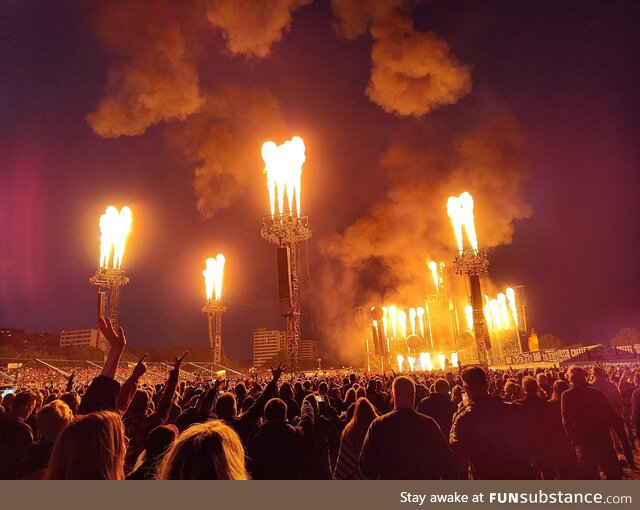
[(468, 423)]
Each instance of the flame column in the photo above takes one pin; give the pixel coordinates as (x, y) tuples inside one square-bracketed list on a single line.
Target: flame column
[(286, 228), (214, 308), (110, 277)]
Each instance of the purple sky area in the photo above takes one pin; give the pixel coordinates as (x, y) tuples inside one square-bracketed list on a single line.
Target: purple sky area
[(567, 71)]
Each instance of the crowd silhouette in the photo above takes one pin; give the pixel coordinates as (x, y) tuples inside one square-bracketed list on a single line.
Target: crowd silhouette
[(542, 423)]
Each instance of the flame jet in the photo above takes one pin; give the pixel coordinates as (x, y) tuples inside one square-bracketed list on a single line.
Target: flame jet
[(511, 299), (283, 167), (460, 210), (213, 275), (433, 267), (400, 362), (412, 319), (114, 229), (421, 320)]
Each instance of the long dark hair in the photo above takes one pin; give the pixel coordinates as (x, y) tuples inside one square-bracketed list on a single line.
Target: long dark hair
[(357, 427)]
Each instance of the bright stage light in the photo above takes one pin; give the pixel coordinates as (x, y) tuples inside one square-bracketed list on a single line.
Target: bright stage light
[(114, 229)]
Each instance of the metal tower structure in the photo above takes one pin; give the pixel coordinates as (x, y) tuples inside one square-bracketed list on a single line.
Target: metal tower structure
[(286, 231), (109, 282), (473, 264), (214, 310)]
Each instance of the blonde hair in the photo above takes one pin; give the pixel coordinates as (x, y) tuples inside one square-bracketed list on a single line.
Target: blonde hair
[(91, 447), (52, 418), (206, 451)]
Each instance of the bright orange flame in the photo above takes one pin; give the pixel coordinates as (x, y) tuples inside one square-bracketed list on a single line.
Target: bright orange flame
[(460, 210), (402, 319), (424, 361), (511, 298), (400, 362), (412, 319), (421, 320), (496, 318), (454, 359), (441, 360), (468, 313), (393, 316), (384, 320), (283, 166), (433, 267), (412, 362), (487, 312), (504, 310), (114, 229), (213, 275)]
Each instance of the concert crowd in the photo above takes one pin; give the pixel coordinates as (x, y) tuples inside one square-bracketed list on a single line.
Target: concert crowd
[(469, 423)]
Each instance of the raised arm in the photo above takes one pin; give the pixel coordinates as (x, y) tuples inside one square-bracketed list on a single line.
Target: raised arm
[(117, 343), (130, 386)]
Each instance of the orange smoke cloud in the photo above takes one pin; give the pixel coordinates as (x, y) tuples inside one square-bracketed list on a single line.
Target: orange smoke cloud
[(411, 224), (224, 141), (250, 27), (353, 17), (153, 76), (412, 73)]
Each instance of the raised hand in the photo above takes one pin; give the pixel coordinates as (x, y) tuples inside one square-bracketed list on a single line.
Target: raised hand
[(178, 361), (140, 368), (277, 372), (115, 339)]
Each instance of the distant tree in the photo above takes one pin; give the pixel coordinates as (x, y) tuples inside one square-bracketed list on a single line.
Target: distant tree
[(549, 341), (626, 336)]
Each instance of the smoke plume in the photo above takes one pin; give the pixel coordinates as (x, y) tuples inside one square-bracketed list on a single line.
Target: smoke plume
[(153, 76), (250, 27), (412, 73), (223, 140), (410, 226)]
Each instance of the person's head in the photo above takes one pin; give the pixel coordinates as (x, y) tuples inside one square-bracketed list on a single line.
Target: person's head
[(297, 387), (323, 388), (442, 387), (364, 413), (52, 418), (226, 406), (511, 388), (577, 376), (23, 404), (474, 381), (352, 378), (371, 385), (542, 379), (206, 451), (599, 373), (559, 387), (139, 403), (240, 390), (72, 400), (530, 386), (91, 447), (275, 410), (404, 393), (360, 393), (350, 397), (456, 394), (7, 400), (285, 391), (247, 403), (159, 441)]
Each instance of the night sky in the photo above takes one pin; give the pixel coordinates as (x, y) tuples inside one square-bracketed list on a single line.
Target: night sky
[(566, 73)]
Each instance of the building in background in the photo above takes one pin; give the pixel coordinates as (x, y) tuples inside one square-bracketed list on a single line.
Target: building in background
[(84, 338), (266, 345), (269, 343), (308, 350)]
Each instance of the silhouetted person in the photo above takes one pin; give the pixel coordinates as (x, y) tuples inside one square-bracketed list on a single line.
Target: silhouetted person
[(276, 448), (439, 406), (491, 433), (404, 444), (587, 417)]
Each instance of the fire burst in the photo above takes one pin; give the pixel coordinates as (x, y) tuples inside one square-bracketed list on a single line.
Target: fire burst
[(114, 229), (460, 210), (213, 275), (283, 167)]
